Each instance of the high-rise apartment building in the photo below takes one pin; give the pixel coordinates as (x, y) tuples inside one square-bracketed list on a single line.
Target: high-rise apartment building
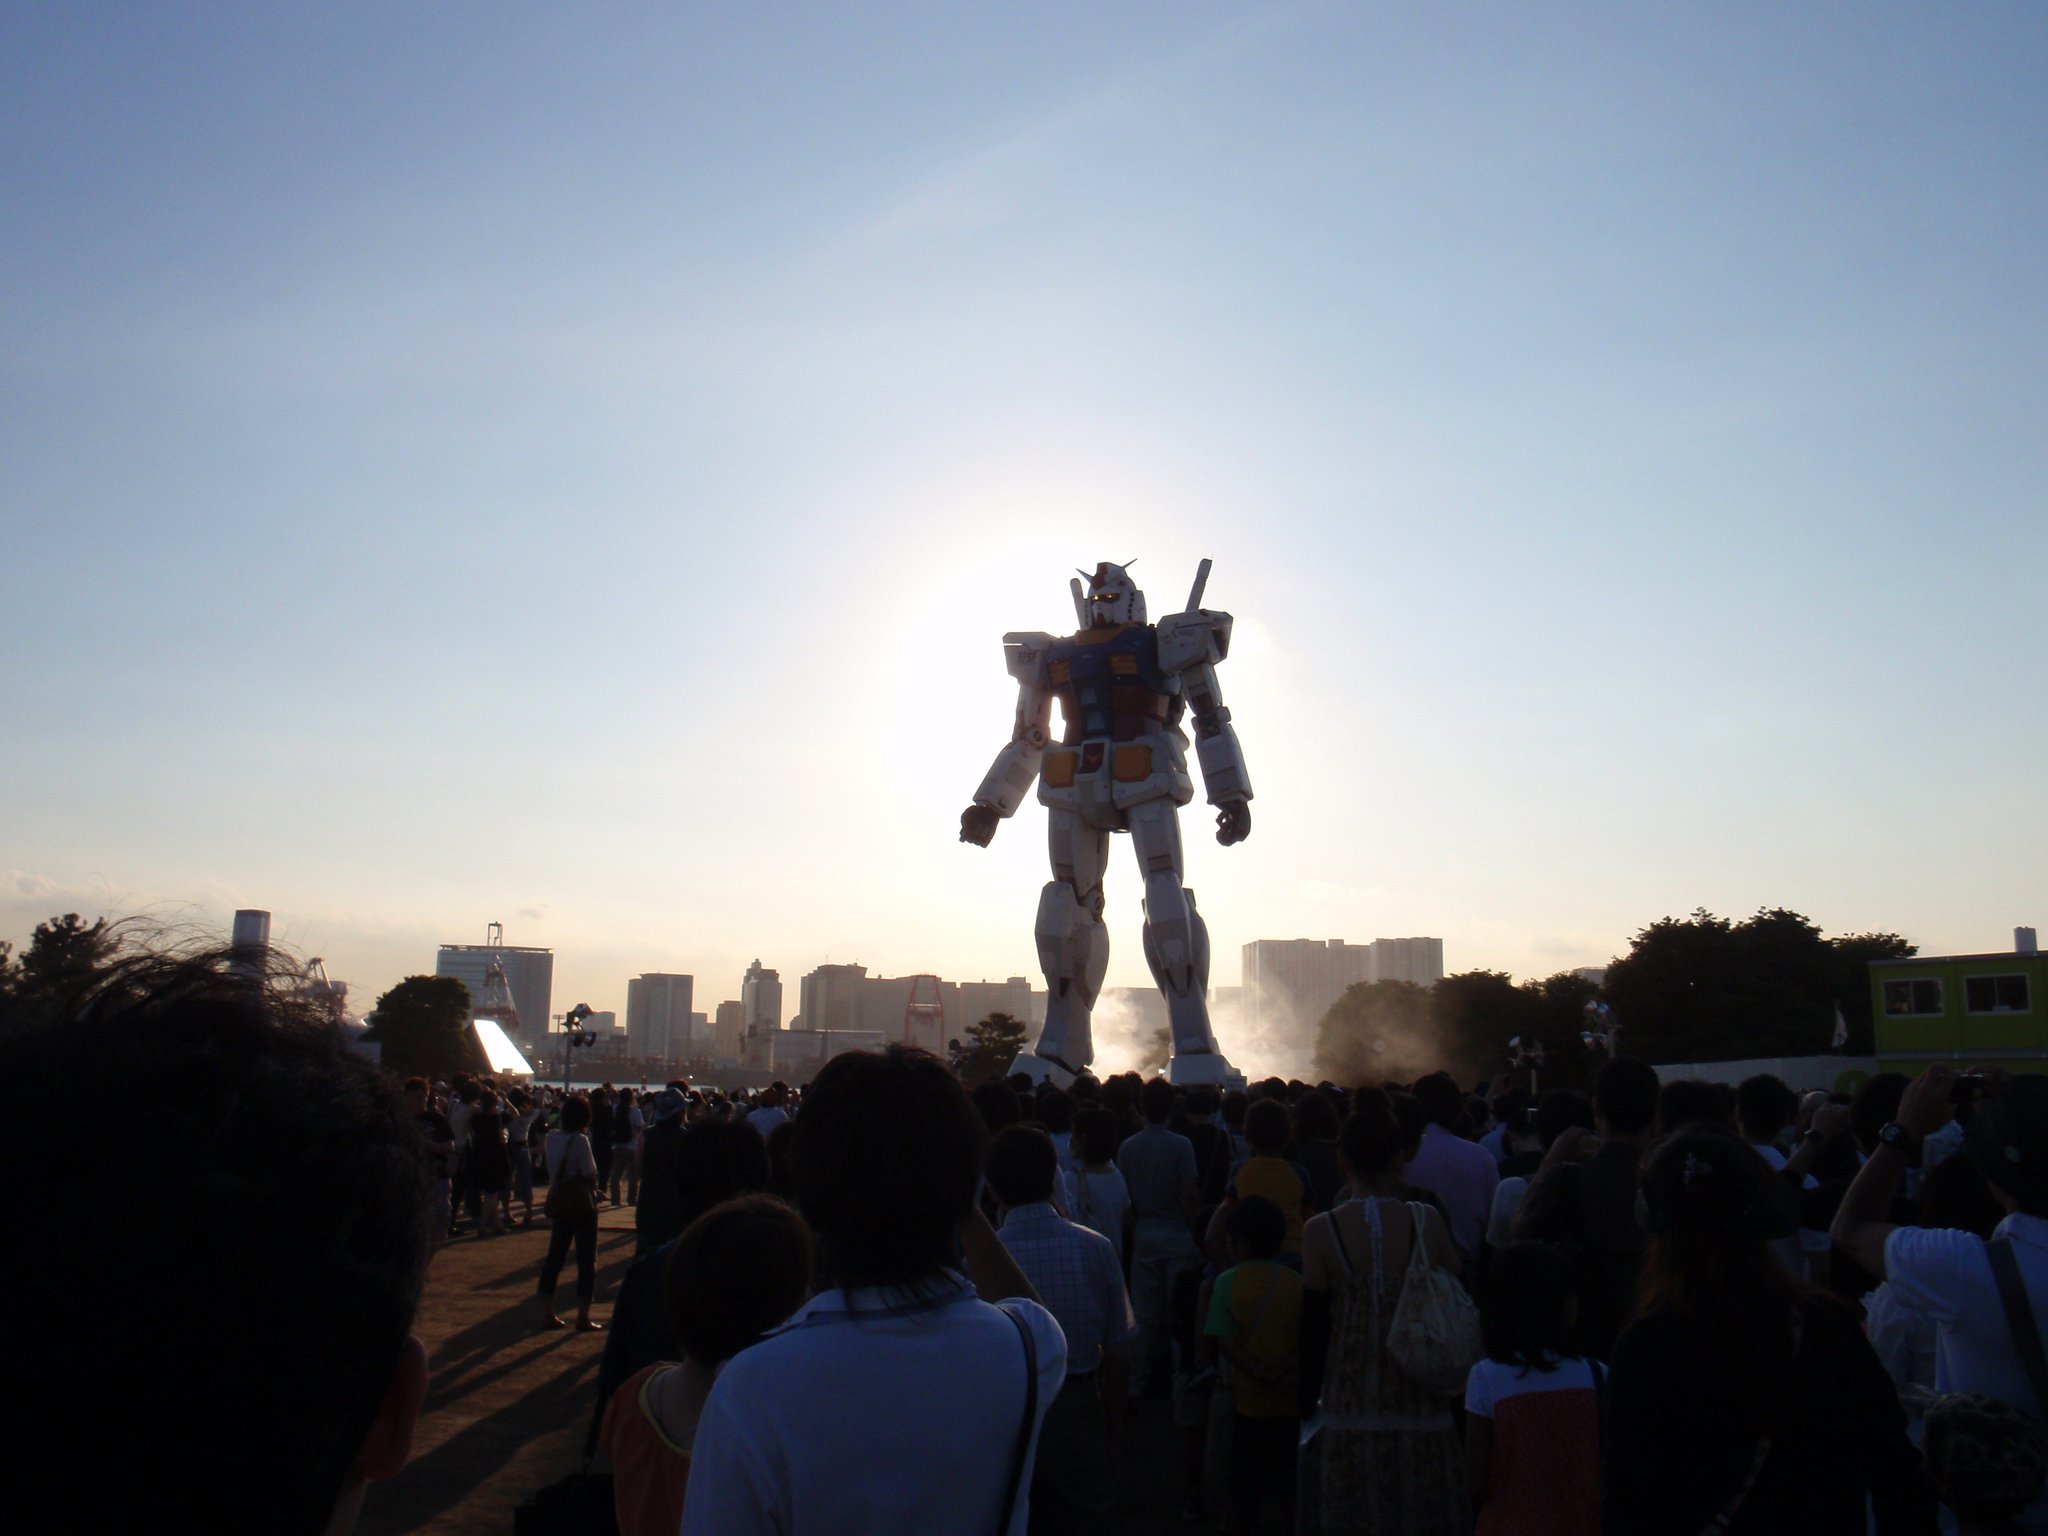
[(658, 1015), (829, 997), (728, 1032), (761, 1006), (1291, 983), (529, 973)]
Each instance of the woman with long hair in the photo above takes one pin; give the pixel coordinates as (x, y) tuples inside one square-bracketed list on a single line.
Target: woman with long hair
[(1739, 1399)]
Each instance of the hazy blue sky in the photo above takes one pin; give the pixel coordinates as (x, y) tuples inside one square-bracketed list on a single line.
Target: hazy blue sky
[(576, 467)]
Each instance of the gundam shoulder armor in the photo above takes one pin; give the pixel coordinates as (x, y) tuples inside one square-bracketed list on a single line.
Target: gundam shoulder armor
[(1190, 640)]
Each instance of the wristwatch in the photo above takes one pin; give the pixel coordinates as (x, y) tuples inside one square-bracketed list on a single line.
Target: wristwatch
[(1897, 1137)]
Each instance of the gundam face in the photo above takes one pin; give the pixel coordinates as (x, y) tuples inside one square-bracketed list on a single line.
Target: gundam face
[(1113, 598)]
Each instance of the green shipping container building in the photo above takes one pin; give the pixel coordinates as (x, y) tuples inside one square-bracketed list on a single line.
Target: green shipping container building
[(1972, 1011)]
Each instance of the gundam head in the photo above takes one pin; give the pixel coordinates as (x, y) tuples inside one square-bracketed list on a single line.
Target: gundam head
[(1113, 598)]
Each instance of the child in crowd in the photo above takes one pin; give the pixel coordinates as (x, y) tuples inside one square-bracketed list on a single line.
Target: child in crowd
[(1255, 1315), (1532, 1411), (1271, 1175), (1097, 1196), (739, 1270)]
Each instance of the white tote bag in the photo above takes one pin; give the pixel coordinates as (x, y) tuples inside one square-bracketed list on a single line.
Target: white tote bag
[(1434, 1336)]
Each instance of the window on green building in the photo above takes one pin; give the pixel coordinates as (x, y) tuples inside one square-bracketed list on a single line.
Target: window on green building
[(1995, 994), (1904, 999)]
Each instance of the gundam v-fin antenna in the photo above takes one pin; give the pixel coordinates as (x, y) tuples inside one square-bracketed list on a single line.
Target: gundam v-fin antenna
[(1201, 581), (1080, 602)]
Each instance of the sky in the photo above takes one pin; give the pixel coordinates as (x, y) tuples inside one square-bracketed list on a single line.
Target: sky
[(575, 469)]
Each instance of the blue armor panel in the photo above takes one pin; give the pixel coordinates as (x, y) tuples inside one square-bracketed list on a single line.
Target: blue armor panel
[(1110, 685)]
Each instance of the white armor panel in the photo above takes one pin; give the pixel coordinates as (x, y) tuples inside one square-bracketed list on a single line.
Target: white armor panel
[(1024, 654), (1196, 639)]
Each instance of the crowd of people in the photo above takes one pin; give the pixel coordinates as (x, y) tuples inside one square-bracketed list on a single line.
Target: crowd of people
[(888, 1304)]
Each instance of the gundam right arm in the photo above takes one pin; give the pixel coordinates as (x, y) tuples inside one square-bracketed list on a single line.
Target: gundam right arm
[(1016, 766)]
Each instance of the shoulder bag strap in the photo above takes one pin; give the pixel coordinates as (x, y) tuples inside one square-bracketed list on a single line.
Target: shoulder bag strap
[(1599, 1373), (1418, 1251), (1337, 1236), (1030, 1418), (1726, 1515), (2019, 1316)]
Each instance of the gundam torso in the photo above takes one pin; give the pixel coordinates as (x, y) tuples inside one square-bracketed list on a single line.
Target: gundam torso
[(1122, 743)]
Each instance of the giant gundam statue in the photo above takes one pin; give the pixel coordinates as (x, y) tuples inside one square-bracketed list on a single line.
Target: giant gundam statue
[(1120, 766)]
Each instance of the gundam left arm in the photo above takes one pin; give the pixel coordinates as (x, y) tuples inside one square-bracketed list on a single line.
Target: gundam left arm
[(1191, 644)]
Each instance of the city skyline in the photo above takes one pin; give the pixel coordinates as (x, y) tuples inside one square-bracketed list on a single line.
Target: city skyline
[(577, 471)]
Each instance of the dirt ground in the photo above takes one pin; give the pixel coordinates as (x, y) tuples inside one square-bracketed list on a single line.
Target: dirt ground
[(508, 1403)]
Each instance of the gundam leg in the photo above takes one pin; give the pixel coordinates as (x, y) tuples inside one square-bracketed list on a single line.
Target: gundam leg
[(1176, 944), (1073, 948)]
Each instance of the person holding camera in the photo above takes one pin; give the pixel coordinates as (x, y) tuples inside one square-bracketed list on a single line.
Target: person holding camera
[(1988, 1299)]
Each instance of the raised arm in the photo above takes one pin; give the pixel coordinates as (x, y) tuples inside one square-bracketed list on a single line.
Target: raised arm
[(1190, 646), (1010, 776)]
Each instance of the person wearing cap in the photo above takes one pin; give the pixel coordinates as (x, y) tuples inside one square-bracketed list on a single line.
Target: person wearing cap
[(1739, 1399), (1949, 1274)]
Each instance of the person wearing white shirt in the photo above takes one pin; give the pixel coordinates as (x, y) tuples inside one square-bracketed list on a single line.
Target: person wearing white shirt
[(1950, 1275), (907, 1394)]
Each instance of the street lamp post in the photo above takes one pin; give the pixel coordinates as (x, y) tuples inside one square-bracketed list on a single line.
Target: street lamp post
[(572, 1037), (1529, 1054)]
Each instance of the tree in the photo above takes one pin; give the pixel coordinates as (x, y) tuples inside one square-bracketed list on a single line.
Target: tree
[(991, 1046), (422, 1026), (1705, 989), (65, 956), (1378, 1031), (1473, 1015)]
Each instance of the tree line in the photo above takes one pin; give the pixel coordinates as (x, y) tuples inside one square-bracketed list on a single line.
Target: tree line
[(1697, 988)]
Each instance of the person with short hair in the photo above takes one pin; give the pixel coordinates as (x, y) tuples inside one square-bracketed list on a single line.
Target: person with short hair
[(1583, 1199), (1077, 1276), (1461, 1173), (896, 1398), (1270, 1174), (235, 1352), (1159, 1166), (737, 1272), (1255, 1317)]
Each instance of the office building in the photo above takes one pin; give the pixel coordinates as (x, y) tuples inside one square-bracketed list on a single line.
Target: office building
[(658, 1015), (844, 1000), (529, 974), (729, 1032)]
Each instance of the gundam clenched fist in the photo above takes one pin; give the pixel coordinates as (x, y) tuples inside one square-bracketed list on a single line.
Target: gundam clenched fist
[(1121, 766)]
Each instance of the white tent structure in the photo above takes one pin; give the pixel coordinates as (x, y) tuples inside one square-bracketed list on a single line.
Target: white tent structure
[(504, 1057)]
